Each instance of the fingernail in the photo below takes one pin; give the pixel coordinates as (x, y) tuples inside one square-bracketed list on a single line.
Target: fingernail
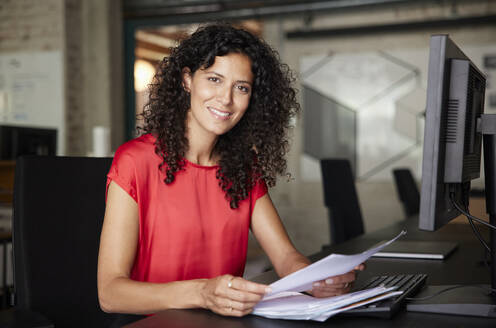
[(316, 284), (268, 289), (329, 281)]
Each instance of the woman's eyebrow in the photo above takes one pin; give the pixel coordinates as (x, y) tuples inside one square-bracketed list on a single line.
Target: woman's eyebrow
[(222, 76)]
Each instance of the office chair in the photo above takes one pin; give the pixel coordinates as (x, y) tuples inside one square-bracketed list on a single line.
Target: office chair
[(341, 200), (59, 206), (407, 191)]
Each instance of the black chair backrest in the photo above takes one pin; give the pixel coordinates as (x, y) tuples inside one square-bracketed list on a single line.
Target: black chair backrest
[(407, 191), (341, 199), (59, 204)]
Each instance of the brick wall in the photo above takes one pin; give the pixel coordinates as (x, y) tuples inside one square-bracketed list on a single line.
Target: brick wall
[(31, 25), (74, 93)]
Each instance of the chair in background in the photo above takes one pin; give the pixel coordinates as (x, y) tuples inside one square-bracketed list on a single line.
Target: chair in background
[(407, 191), (59, 205), (341, 200)]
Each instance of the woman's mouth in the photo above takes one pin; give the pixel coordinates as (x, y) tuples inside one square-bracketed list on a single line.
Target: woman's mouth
[(219, 114)]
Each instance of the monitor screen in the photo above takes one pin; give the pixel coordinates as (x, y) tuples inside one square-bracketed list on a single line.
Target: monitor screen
[(16, 141), (452, 145)]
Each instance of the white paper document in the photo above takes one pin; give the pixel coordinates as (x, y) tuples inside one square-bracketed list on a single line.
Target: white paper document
[(286, 302), (332, 265), (297, 306)]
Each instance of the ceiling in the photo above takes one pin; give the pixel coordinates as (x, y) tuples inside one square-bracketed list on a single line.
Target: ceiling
[(231, 9), (153, 44)]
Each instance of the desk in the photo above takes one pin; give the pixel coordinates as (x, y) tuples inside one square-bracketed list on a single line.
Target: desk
[(463, 266)]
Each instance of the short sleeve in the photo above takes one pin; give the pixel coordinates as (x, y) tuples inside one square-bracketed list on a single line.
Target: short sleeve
[(259, 190), (123, 172)]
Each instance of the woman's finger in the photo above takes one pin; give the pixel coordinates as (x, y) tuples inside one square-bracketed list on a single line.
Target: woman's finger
[(333, 286), (242, 306), (345, 286), (233, 308), (360, 267), (328, 292), (244, 291), (234, 312), (336, 281), (238, 283), (243, 296), (341, 279)]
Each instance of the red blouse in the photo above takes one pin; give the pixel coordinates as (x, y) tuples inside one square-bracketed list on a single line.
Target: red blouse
[(187, 229)]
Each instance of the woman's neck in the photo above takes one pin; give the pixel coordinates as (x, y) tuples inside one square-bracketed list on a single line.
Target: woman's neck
[(201, 148), (200, 157)]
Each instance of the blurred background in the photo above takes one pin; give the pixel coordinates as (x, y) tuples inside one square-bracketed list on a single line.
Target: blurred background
[(74, 74)]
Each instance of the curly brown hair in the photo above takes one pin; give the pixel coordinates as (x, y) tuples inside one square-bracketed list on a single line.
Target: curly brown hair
[(256, 146)]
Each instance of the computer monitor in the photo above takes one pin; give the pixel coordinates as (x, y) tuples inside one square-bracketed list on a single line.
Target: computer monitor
[(455, 127), (452, 146), (21, 140)]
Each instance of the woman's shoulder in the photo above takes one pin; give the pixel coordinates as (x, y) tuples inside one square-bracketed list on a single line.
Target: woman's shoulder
[(138, 147)]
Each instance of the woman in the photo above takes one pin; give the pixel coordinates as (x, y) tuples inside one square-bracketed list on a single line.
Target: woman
[(182, 197)]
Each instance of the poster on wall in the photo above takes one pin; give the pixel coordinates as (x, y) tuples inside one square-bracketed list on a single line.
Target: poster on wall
[(32, 91)]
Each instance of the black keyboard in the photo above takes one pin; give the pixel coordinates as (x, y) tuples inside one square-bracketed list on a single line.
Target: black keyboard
[(410, 284)]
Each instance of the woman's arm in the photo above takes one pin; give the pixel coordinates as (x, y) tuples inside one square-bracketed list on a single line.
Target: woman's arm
[(270, 233), (118, 242), (118, 293)]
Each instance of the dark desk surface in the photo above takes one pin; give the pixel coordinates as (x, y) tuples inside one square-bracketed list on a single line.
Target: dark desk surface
[(464, 266)]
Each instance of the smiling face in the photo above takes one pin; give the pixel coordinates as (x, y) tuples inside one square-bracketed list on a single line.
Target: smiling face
[(220, 94)]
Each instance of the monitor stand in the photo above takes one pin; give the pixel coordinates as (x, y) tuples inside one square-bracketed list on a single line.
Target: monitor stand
[(469, 300)]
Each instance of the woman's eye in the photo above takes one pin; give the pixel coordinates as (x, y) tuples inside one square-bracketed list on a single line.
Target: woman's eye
[(214, 79), (244, 89)]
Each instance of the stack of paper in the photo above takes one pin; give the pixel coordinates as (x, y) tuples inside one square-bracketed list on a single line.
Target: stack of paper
[(285, 301), (297, 306)]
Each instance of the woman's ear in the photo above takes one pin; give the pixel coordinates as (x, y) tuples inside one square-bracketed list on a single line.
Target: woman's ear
[(186, 75)]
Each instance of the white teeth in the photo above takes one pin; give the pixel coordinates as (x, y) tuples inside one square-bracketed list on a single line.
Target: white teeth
[(219, 112)]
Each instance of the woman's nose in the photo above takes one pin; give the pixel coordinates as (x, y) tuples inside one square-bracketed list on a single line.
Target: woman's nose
[(225, 95)]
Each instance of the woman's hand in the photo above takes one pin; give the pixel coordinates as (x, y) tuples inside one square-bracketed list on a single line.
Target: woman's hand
[(232, 296), (336, 285)]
